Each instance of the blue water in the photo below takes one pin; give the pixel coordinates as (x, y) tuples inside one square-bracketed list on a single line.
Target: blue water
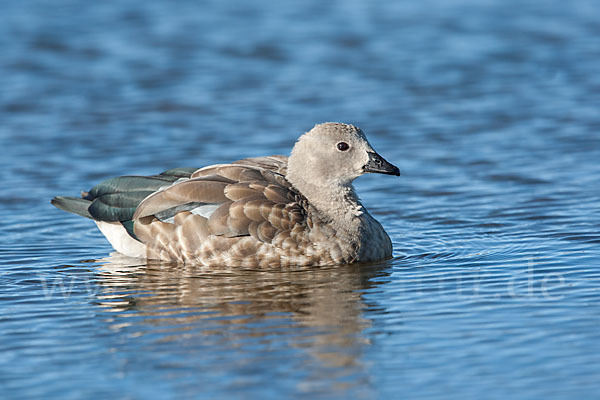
[(489, 108)]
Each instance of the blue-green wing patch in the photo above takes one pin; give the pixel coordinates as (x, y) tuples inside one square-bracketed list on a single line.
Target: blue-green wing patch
[(116, 199)]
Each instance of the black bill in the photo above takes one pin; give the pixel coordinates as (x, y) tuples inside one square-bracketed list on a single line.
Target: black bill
[(377, 164)]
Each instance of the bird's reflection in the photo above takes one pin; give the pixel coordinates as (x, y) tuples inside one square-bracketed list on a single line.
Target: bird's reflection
[(318, 311)]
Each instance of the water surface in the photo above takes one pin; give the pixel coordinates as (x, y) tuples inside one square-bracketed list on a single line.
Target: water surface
[(490, 109)]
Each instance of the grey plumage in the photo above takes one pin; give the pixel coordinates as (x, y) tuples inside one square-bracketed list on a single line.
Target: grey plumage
[(73, 205), (253, 212)]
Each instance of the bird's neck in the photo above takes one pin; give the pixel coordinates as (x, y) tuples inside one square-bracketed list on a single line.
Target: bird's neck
[(343, 216), (334, 201)]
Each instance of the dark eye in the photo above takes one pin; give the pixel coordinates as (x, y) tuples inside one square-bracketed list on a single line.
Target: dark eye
[(343, 146)]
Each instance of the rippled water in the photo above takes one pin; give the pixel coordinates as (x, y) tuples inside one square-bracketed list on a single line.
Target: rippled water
[(489, 108)]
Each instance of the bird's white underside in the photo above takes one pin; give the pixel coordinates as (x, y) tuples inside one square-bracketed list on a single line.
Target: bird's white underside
[(125, 244), (120, 239)]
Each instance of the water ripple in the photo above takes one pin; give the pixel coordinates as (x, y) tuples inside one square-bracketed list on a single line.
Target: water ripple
[(489, 109)]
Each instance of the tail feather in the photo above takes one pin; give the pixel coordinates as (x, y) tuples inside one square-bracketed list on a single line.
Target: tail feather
[(73, 205)]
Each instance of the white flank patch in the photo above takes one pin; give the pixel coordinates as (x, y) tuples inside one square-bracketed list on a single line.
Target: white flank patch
[(205, 211), (120, 239)]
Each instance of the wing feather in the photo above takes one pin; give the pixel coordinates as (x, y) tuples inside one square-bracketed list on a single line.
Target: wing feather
[(217, 223), (251, 198), (193, 190)]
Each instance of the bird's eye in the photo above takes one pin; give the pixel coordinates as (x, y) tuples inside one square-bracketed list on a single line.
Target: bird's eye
[(343, 146)]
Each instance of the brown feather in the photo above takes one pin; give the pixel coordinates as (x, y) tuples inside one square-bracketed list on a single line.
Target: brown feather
[(275, 178), (208, 171), (194, 230), (238, 226), (276, 215), (276, 194), (204, 175), (238, 208), (239, 173), (273, 163), (239, 191), (217, 223), (189, 191), (258, 186), (266, 232), (252, 209)]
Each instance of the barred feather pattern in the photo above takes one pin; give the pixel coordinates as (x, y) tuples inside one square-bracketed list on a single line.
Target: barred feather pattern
[(261, 220)]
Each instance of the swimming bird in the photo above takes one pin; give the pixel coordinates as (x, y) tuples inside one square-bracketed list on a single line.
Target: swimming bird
[(263, 211)]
